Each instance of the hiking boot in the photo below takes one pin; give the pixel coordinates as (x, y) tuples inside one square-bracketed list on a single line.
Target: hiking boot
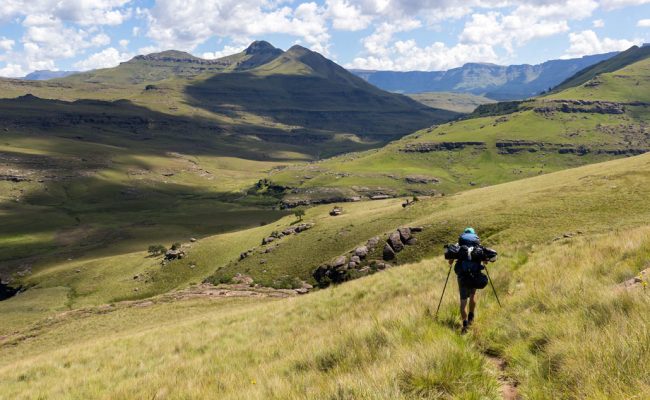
[(465, 326), (470, 318)]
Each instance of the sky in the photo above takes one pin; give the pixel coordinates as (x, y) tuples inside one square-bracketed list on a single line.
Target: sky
[(402, 35)]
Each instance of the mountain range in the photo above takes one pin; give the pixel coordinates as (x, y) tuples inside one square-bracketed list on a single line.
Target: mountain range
[(496, 82)]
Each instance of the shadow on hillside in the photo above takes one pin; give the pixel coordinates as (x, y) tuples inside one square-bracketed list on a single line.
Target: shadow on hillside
[(311, 102), (124, 124), (70, 218)]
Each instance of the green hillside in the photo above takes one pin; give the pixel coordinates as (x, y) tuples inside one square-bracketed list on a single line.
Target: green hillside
[(166, 146), (619, 61), (566, 240), (581, 125), (458, 102)]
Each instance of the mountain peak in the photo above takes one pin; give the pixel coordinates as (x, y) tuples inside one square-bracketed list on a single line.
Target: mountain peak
[(261, 47)]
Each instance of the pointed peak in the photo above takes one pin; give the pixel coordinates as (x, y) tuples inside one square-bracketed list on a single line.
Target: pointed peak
[(260, 47), (296, 48)]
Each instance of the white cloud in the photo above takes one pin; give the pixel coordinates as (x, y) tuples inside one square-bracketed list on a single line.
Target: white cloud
[(83, 12), (407, 56), (13, 71), (100, 40), (6, 44), (106, 58), (598, 23), (124, 43), (643, 23), (346, 16), (135, 31), (587, 42), (612, 4), (182, 25), (226, 51)]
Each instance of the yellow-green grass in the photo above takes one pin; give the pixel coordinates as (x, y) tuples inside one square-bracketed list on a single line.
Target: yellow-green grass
[(590, 199), (386, 169), (630, 83), (565, 331), (458, 102)]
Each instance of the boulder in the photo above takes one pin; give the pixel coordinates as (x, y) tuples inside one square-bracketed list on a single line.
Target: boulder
[(243, 279), (302, 290), (365, 269), (289, 231), (411, 241), (192, 240), (355, 259), (339, 262), (404, 234), (352, 265), (174, 254), (268, 240), (388, 253), (395, 241), (373, 242), (381, 265), (361, 251)]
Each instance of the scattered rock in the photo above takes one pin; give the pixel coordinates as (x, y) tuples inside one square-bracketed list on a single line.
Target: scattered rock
[(355, 259), (404, 234), (136, 276), (243, 279), (416, 229), (365, 269), (336, 211), (176, 254), (289, 231), (267, 240), (373, 242), (361, 251), (302, 291), (412, 241), (78, 270), (388, 253), (352, 265), (192, 240), (395, 241), (339, 262), (422, 179), (380, 197)]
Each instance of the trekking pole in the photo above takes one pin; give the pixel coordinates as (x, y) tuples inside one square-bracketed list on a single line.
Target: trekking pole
[(443, 291), (492, 284)]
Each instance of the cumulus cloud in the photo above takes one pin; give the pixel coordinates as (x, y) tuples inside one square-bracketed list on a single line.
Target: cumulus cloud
[(124, 43), (183, 25), (587, 42), (6, 44), (83, 12), (226, 51), (598, 23), (643, 23), (106, 58), (612, 4)]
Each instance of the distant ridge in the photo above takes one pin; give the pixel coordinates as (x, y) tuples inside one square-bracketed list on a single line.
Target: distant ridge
[(497, 82), (629, 56), (43, 75)]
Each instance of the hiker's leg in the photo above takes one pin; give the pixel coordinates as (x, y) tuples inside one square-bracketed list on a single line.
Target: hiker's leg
[(472, 301), (463, 307)]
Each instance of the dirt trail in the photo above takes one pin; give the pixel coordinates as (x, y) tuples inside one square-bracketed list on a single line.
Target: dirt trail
[(508, 387)]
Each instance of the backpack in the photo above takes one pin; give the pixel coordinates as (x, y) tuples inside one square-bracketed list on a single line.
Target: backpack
[(474, 280)]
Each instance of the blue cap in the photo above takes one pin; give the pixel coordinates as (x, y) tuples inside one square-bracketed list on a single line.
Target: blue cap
[(470, 230)]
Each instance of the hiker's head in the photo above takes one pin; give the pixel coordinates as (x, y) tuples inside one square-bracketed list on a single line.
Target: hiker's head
[(469, 230)]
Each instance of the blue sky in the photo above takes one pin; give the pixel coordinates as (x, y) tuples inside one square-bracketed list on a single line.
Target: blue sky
[(369, 34)]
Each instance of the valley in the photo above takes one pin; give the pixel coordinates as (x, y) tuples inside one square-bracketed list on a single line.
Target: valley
[(170, 225)]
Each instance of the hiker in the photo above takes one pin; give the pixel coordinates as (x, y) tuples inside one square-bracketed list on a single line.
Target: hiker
[(470, 239)]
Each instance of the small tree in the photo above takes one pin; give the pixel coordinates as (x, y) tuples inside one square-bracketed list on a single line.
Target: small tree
[(156, 249), (299, 214), (176, 246)]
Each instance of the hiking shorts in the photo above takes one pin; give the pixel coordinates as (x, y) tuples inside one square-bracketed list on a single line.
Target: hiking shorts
[(464, 291)]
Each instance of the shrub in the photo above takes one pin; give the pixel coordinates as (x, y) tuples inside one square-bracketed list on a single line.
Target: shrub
[(156, 249), (176, 246)]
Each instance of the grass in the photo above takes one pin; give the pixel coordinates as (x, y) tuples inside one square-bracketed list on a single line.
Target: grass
[(387, 170), (458, 102), (373, 338)]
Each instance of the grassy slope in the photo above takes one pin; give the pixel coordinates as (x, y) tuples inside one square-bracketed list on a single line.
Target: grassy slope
[(619, 61), (458, 102), (591, 199), (385, 170), (563, 322)]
